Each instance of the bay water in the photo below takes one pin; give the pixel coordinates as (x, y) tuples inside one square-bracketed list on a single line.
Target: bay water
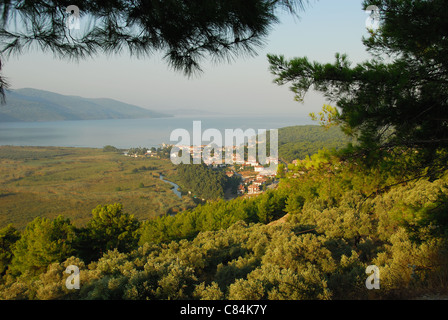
[(127, 133)]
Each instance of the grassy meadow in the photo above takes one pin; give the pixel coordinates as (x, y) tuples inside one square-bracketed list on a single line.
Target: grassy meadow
[(52, 181)]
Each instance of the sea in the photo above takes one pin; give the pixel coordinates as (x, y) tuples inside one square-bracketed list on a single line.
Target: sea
[(128, 133)]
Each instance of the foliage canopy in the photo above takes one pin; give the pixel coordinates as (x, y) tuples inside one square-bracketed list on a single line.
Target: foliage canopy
[(186, 32), (396, 103)]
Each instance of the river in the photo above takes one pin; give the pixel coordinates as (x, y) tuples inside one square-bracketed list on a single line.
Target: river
[(175, 189)]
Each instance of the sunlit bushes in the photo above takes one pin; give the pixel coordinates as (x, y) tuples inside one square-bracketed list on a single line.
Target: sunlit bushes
[(231, 250)]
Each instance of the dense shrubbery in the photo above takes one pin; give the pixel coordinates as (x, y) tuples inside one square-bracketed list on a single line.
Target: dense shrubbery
[(215, 215), (336, 222), (202, 181), (298, 142)]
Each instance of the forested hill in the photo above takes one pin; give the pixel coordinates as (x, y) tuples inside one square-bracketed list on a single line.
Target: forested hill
[(37, 105), (297, 142)]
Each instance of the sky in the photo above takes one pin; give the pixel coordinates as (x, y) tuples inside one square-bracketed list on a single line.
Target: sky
[(244, 86)]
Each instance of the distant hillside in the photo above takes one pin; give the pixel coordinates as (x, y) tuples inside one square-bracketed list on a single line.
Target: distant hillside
[(37, 105), (297, 142)]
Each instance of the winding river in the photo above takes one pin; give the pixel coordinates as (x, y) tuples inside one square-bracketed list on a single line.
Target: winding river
[(175, 189)]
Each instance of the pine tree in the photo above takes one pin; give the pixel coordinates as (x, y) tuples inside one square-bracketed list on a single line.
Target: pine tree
[(186, 31), (8, 236), (110, 228), (396, 104), (43, 242)]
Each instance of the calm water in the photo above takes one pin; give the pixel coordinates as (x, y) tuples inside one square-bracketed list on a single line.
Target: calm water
[(175, 189), (128, 133)]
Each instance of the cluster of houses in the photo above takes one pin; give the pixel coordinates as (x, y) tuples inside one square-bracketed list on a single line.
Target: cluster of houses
[(224, 156), (252, 181), (139, 152), (253, 185)]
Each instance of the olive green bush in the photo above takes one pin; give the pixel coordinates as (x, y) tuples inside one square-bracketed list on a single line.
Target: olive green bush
[(319, 249)]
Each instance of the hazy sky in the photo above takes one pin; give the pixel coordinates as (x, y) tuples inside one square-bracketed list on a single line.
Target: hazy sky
[(243, 86)]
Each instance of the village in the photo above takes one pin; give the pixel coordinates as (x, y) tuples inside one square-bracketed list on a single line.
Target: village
[(255, 177)]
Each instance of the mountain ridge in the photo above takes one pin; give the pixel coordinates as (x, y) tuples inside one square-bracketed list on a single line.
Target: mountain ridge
[(34, 105)]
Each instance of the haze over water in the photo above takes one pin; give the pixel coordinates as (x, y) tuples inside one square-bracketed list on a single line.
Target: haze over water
[(130, 133)]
